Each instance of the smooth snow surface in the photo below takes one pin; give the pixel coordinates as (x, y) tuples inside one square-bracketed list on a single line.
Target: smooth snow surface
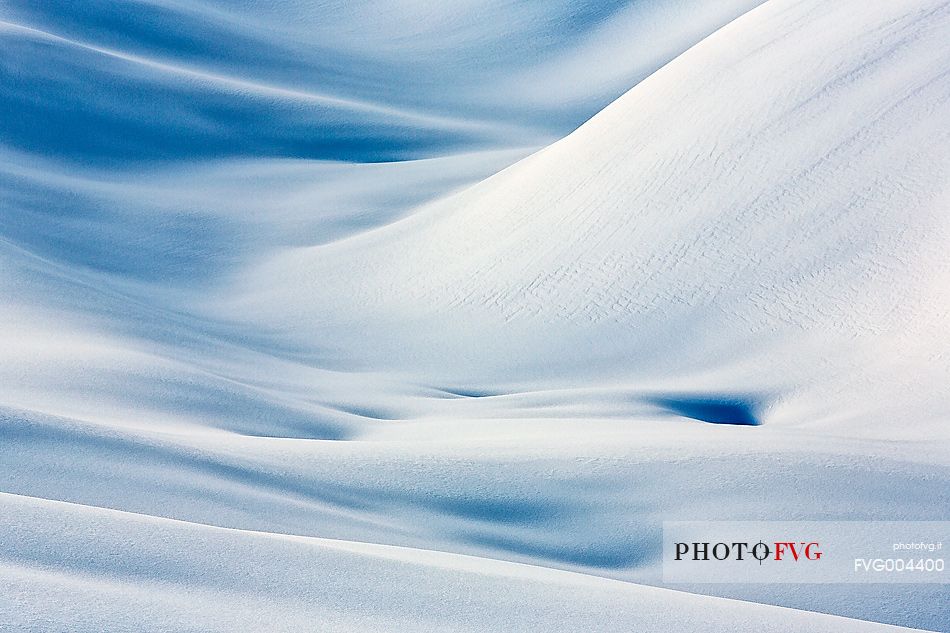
[(310, 324)]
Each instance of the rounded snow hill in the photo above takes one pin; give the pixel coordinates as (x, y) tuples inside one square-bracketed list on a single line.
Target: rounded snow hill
[(767, 215), (147, 573)]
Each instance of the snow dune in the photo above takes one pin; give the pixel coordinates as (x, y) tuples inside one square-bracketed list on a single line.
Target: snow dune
[(251, 382), (138, 570), (758, 217)]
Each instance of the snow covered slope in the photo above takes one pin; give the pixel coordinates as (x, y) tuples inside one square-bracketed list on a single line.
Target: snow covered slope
[(244, 389), (140, 572), (387, 79), (760, 216)]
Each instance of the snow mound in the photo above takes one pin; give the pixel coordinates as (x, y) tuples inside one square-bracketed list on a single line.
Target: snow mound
[(143, 573), (760, 216)]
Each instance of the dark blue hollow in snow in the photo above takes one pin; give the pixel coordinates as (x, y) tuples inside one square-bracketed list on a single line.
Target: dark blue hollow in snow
[(739, 410)]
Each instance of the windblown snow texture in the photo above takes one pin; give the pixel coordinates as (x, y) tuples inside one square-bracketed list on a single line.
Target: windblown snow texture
[(403, 315)]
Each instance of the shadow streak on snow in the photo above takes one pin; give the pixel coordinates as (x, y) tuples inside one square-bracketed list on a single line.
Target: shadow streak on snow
[(614, 556), (466, 392), (122, 456)]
